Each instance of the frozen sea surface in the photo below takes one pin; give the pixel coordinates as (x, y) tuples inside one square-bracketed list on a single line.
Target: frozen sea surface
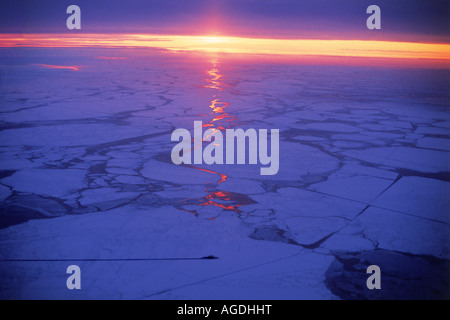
[(86, 176)]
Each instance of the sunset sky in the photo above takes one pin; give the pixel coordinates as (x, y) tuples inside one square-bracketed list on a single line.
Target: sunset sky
[(236, 26)]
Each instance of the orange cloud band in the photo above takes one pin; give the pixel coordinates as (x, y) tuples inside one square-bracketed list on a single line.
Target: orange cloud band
[(292, 47)]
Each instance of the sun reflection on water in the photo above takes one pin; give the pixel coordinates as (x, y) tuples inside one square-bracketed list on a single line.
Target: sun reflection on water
[(221, 120)]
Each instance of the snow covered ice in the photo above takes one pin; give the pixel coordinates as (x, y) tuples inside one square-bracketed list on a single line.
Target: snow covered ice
[(85, 174)]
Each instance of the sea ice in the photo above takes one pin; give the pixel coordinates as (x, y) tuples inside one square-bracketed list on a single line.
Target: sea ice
[(404, 157), (422, 197), (5, 192), (395, 231), (434, 143), (360, 188), (57, 183)]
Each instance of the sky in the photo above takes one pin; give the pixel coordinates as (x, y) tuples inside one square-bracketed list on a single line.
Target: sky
[(402, 20), (410, 29)]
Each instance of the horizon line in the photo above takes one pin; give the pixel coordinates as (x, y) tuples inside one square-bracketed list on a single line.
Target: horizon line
[(235, 45)]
